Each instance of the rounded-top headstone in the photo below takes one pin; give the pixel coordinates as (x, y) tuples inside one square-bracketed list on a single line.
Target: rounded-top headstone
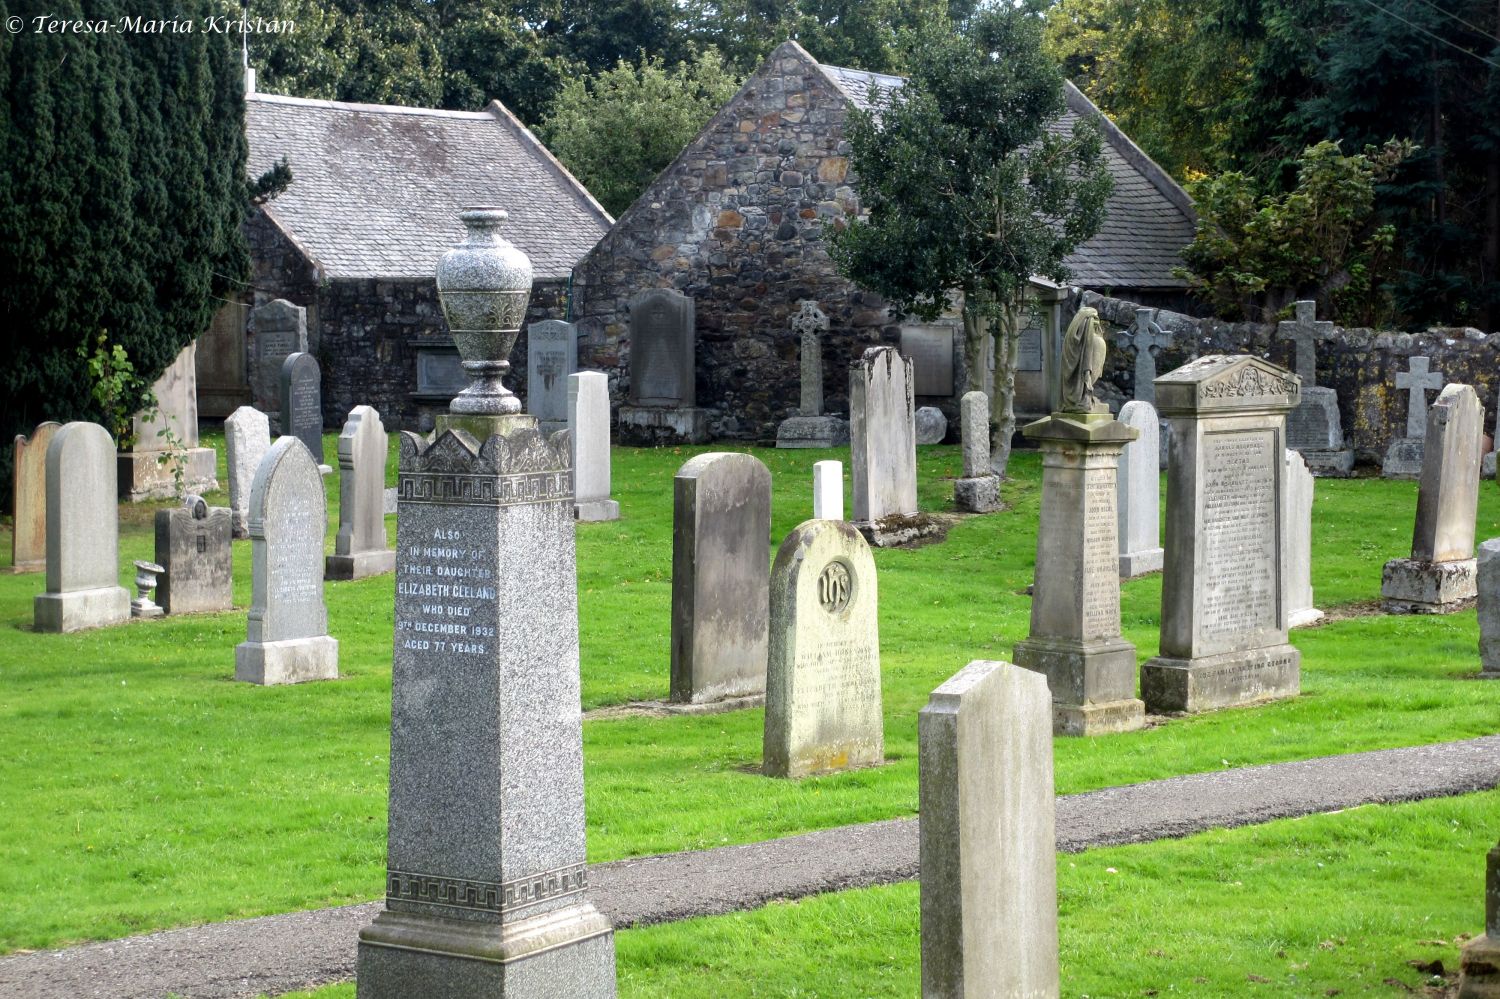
[(288, 515)]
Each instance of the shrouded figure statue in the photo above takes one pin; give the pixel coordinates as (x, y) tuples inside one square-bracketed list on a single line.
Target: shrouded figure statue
[(1082, 363)]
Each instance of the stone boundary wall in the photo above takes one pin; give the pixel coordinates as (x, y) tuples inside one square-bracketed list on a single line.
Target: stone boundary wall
[(1360, 364)]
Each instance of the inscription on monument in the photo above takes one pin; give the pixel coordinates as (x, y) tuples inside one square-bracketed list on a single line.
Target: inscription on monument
[(834, 587), (1101, 595), (1029, 355), (833, 674), (1241, 537), (445, 596), (930, 349)]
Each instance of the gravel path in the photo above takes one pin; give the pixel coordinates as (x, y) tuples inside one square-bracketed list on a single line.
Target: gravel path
[(303, 949)]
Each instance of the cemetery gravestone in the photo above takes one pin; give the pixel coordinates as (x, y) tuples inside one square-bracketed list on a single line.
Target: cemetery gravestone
[(828, 490), (247, 437), (1297, 529), (823, 708), (932, 425), (287, 638), (193, 546), (1144, 336), (721, 554), (1479, 964), (588, 419), (978, 491), (1315, 428), (359, 549), (1223, 622), (662, 406), (1440, 576), (929, 348), (1488, 467), (168, 439), (83, 534), (551, 359), (280, 329), (1403, 458), (302, 404), (988, 836), (28, 540), (1138, 493), (1489, 609), (811, 428), (883, 448)]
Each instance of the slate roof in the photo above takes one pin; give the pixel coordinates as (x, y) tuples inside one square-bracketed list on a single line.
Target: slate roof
[(376, 190), (1149, 217)]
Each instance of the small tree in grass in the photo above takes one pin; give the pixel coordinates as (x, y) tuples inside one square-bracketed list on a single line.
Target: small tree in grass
[(969, 193)]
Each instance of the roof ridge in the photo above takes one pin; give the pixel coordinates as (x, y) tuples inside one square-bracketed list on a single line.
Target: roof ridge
[(367, 108)]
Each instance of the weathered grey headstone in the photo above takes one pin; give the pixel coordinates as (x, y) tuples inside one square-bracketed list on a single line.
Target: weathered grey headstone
[(1479, 964), (1138, 493), (1298, 505), (823, 707), (278, 328), (662, 404), (486, 880), (810, 427), (287, 637), (168, 438), (978, 490), (1487, 468), (551, 359), (1144, 336), (302, 403), (1403, 458), (1314, 428), (389, 500), (1075, 636), (828, 490), (359, 548), (987, 844), (28, 540), (194, 547), (1223, 623), (247, 437), (1439, 578), (883, 446), (931, 425), (83, 534), (1489, 609), (588, 419), (721, 555), (929, 348)]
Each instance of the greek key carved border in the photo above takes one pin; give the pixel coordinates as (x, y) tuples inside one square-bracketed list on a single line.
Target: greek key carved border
[(459, 489), (506, 897)]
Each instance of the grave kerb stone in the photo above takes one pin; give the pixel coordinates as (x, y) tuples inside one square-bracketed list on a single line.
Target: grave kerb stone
[(359, 548), (83, 534)]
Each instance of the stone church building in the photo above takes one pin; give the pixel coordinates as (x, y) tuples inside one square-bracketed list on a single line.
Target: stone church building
[(739, 222)]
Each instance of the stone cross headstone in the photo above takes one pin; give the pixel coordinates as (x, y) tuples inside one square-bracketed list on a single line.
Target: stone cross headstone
[(302, 402), (551, 359), (287, 637), (662, 406), (280, 328), (247, 437), (1075, 638), (1439, 578), (588, 419), (1144, 336), (359, 549), (1315, 427), (193, 545), (1489, 609), (166, 436), (1403, 459), (485, 853), (1138, 496), (823, 707), (1297, 529), (828, 490), (1305, 331), (83, 534), (721, 555), (987, 840), (28, 540), (1223, 622), (1479, 963), (883, 436), (978, 489), (810, 428)]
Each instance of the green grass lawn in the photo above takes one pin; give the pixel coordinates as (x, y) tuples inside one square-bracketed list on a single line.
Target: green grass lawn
[(142, 788)]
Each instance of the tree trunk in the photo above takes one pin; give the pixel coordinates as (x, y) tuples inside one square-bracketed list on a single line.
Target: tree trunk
[(1002, 402)]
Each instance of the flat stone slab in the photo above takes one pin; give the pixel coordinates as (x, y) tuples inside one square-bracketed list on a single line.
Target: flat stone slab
[(299, 950)]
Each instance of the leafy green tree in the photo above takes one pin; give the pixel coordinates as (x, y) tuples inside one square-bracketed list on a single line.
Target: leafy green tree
[(968, 191), (616, 131)]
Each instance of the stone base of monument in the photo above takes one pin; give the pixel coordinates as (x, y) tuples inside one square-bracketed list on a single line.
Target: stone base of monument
[(1098, 719), (566, 952), (296, 660), (1403, 459), (596, 510), (1329, 464), (649, 426), (360, 565), (902, 530), (1222, 681), (1092, 684), (81, 609), (550, 427), (1411, 586), (813, 431), (144, 476), (22, 567), (1479, 969), (1141, 563), (980, 494), (1304, 617)]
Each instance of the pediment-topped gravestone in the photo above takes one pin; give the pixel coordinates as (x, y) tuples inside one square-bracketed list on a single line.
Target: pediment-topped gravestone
[(978, 489), (302, 403), (1440, 575), (662, 403), (810, 427), (28, 539), (359, 549), (588, 420), (165, 436), (83, 534), (193, 545), (1297, 508), (823, 706), (1403, 458), (277, 329), (551, 359), (247, 437), (1314, 428), (287, 637), (1138, 493), (1223, 621)]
